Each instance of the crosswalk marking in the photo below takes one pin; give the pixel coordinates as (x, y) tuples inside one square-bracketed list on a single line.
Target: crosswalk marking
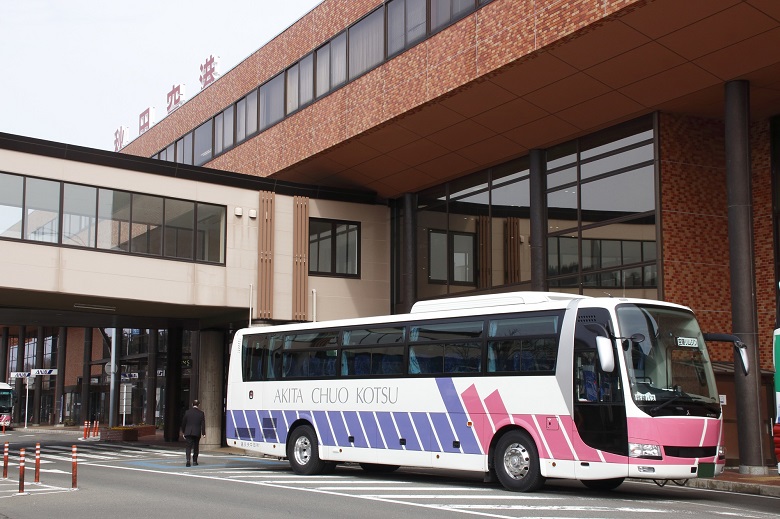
[(86, 454)]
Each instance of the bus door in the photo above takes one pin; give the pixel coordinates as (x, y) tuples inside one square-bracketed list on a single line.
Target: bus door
[(599, 407)]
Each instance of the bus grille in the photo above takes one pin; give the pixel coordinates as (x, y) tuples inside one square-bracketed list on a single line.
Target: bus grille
[(690, 452)]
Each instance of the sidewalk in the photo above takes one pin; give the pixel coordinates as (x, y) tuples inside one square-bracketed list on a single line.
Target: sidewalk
[(730, 481)]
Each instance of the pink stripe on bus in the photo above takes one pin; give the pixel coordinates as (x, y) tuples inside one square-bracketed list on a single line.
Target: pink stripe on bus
[(497, 410), (476, 412)]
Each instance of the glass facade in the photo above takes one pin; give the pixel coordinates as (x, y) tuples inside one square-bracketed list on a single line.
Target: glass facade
[(601, 210), (76, 215), (473, 234)]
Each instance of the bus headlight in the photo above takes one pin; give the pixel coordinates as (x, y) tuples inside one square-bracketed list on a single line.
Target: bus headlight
[(721, 452), (644, 450)]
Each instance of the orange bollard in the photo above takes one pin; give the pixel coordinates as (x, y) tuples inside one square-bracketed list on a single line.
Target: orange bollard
[(21, 471), (5, 461), (73, 469), (86, 429), (37, 463), (95, 426)]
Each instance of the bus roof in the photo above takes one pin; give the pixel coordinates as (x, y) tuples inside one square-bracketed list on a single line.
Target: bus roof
[(465, 306), (482, 301)]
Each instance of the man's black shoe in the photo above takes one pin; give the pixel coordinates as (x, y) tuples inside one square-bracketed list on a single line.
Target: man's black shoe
[(195, 463), (188, 463)]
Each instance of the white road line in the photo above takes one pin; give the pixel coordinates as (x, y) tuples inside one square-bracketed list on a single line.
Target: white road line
[(564, 508), (431, 489)]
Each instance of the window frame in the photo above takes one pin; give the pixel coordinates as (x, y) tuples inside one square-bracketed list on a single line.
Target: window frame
[(450, 258), (333, 271)]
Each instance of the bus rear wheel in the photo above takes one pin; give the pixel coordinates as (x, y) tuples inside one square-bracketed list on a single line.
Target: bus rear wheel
[(603, 484), (303, 452), (516, 462)]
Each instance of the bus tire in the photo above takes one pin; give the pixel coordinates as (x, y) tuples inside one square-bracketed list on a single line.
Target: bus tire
[(603, 484), (378, 468), (303, 452), (516, 461)]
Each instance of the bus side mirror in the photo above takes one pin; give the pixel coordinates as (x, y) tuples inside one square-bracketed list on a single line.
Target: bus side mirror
[(741, 348), (606, 357)]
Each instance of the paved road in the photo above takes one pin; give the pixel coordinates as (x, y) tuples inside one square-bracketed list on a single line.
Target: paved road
[(114, 478)]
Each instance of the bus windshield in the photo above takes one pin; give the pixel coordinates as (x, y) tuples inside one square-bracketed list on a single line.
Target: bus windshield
[(669, 370)]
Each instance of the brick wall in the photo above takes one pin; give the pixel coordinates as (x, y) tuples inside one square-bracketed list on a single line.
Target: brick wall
[(694, 220), (495, 36), (763, 245)]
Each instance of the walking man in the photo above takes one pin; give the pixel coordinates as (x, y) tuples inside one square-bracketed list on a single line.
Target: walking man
[(193, 427)]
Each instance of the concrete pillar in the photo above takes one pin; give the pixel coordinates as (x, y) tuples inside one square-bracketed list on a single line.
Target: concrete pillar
[(538, 215), (211, 394), (750, 429)]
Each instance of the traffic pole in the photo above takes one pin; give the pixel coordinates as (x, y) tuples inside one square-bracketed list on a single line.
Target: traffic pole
[(73, 470), (5, 461), (21, 473), (86, 429), (37, 463)]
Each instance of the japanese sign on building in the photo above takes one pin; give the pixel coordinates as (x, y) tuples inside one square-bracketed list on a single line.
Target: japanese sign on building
[(146, 120), (209, 71), (176, 97), (121, 137)]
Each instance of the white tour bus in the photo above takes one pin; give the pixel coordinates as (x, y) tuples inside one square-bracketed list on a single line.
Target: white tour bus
[(522, 386)]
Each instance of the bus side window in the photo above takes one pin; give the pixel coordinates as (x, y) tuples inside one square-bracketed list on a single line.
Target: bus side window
[(273, 369), (362, 364), (252, 358)]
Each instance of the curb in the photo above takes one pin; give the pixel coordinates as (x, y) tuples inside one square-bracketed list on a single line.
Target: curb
[(735, 486)]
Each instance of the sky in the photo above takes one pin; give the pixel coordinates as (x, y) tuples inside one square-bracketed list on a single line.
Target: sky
[(74, 71)]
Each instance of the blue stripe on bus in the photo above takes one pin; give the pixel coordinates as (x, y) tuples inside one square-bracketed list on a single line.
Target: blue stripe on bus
[(443, 432), (354, 429), (322, 425), (230, 429), (266, 426), (339, 429), (372, 429), (291, 416), (388, 430), (406, 429), (465, 434), (238, 417), (424, 431), (281, 426)]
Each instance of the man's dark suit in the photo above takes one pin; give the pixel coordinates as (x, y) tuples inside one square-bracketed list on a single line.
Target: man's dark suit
[(193, 426)]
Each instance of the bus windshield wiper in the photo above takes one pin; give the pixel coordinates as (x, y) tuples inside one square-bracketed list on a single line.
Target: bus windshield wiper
[(675, 398)]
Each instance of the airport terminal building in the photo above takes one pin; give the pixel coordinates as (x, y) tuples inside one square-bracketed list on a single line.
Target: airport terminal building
[(378, 153)]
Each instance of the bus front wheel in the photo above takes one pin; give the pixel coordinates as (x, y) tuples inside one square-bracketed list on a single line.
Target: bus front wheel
[(516, 461), (303, 452)]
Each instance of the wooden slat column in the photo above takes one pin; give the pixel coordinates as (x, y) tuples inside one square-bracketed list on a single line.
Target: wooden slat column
[(512, 248), (300, 300), (265, 260)]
